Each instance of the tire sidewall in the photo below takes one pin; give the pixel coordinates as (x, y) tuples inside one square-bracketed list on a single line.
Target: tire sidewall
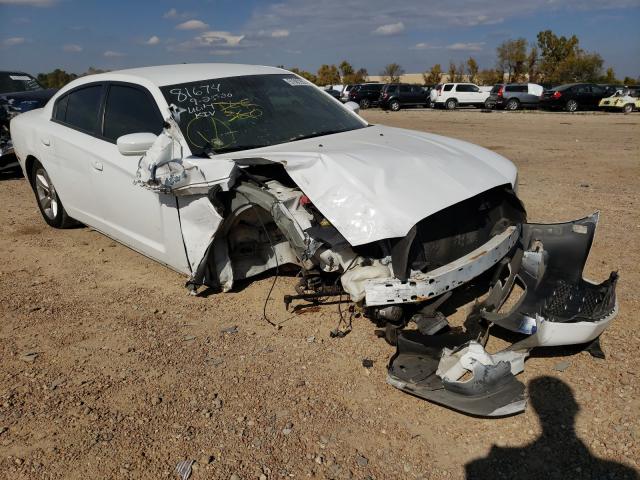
[(57, 221), (512, 105)]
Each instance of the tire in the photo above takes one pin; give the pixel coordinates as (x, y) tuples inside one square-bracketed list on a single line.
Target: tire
[(628, 108), (512, 104), (394, 105), (365, 103), (488, 105), (571, 106), (451, 104), (47, 198), (432, 104)]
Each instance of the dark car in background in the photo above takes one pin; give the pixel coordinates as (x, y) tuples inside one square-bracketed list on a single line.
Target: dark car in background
[(365, 94), (575, 96), (394, 96), (19, 93), (513, 96)]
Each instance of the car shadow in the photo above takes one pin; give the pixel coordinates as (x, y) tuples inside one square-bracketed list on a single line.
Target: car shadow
[(558, 453)]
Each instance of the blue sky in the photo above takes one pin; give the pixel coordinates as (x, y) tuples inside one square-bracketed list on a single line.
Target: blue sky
[(40, 35)]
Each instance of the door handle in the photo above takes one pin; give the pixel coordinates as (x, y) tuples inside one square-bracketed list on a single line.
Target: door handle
[(97, 166), (45, 141)]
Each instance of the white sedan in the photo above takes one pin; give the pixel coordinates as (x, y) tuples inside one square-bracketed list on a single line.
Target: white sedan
[(223, 172)]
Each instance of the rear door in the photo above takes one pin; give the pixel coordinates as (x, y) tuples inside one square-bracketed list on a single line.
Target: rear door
[(405, 94), (145, 220), (72, 141), (464, 93), (418, 96)]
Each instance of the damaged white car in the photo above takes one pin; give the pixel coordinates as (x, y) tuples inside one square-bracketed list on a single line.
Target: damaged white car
[(223, 172)]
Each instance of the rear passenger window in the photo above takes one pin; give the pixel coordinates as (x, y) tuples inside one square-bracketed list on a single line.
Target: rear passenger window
[(60, 111), (82, 108), (129, 110), (464, 88), (404, 89)]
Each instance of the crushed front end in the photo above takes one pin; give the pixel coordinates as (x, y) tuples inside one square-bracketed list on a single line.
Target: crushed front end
[(557, 307)]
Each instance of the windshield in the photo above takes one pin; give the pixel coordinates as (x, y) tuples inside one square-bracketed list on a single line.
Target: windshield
[(18, 82), (239, 113)]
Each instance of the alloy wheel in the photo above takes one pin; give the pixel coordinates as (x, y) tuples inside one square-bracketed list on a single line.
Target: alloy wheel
[(46, 193)]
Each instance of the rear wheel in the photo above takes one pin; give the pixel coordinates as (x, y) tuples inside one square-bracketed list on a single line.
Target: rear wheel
[(488, 104), (451, 104), (48, 200), (365, 103), (512, 104), (394, 105), (571, 106), (628, 108)]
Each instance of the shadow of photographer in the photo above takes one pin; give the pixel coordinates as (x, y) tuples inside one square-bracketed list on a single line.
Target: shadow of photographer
[(558, 453)]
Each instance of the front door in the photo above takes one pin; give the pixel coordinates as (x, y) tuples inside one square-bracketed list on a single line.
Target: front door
[(140, 218)]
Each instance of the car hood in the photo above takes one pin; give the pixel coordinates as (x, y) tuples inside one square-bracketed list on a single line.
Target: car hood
[(378, 182)]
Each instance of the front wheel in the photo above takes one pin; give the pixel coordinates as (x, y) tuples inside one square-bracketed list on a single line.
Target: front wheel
[(571, 106), (394, 105), (628, 108), (48, 200), (451, 104)]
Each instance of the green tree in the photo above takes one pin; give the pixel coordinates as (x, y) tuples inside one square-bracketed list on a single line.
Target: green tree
[(56, 79), (328, 75), (532, 64), (562, 60), (452, 73), (472, 69), (610, 76), (630, 81), (512, 56), (490, 77), (392, 73), (433, 76)]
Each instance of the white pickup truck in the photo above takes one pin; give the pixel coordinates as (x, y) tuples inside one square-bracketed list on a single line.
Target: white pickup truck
[(452, 95)]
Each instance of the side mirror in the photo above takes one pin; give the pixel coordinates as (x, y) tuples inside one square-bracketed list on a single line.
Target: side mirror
[(135, 143), (353, 106)]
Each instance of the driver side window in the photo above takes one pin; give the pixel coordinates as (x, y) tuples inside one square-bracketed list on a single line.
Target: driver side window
[(129, 110)]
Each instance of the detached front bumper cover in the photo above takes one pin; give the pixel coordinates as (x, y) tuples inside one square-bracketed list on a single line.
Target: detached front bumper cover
[(558, 307)]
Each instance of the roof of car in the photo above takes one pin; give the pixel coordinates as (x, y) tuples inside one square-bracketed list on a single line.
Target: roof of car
[(187, 72)]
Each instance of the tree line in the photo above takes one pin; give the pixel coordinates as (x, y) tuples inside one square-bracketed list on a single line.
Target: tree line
[(551, 59)]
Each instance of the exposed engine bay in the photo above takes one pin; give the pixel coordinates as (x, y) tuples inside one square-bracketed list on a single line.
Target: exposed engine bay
[(475, 250)]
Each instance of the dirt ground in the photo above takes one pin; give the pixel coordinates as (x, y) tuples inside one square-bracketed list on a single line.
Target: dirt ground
[(108, 369)]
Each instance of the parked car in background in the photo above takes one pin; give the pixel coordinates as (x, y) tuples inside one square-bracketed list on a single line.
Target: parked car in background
[(512, 96), (433, 94), (453, 95), (394, 96), (334, 93), (574, 96), (19, 93), (625, 99), (344, 96), (365, 94)]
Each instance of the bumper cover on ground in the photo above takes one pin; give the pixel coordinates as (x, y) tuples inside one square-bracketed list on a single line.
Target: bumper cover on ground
[(558, 307)]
